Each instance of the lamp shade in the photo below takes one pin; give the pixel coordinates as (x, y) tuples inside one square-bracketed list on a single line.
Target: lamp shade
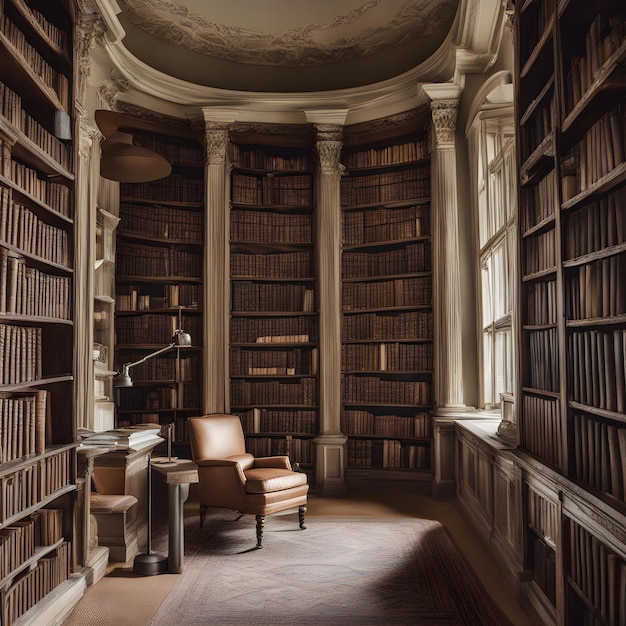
[(125, 163)]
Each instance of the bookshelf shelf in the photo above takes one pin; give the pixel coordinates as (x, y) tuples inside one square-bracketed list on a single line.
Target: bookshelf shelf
[(387, 351), (273, 308), (158, 287), (572, 387)]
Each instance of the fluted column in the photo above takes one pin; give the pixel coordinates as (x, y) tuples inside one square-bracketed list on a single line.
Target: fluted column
[(447, 275), (330, 443), (216, 397)]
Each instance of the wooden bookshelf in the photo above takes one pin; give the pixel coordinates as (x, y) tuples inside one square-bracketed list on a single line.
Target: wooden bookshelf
[(273, 300), (387, 333), (572, 221), (38, 422), (158, 288)]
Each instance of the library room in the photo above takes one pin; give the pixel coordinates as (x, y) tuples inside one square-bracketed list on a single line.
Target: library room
[(312, 312)]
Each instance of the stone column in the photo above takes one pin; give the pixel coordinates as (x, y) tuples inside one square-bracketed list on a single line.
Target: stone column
[(216, 289), (445, 234), (330, 443)]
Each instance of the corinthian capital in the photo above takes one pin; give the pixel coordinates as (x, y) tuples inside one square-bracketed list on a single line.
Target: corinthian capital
[(444, 114), (329, 144), (216, 141)]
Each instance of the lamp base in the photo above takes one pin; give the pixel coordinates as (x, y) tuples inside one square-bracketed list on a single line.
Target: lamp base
[(150, 564)]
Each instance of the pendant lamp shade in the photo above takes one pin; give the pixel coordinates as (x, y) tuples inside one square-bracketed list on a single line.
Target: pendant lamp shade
[(125, 163)]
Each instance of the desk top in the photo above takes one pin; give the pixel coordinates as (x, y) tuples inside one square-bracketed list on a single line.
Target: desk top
[(176, 471)]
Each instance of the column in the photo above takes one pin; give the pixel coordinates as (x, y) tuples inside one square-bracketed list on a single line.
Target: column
[(215, 348), (445, 225), (330, 443)]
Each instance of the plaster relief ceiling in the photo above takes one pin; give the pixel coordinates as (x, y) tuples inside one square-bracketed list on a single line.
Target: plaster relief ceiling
[(285, 45)]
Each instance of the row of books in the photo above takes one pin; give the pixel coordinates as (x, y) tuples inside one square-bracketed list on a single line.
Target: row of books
[(597, 377), (386, 187), (357, 422), (274, 392), (392, 357), (168, 368), (19, 540), (387, 326), (57, 81), (604, 37), (543, 353), (134, 259), (374, 390), (541, 303), (273, 265), (388, 454), (384, 224), (273, 362), (55, 35), (155, 329), (30, 485), (600, 453), (273, 330), (540, 428), (261, 159), (249, 296), (538, 202), (539, 252), (267, 226), (599, 574), (152, 220), (298, 450), (543, 558), (20, 354), (150, 399), (55, 195), (543, 517), (597, 225), (22, 424), (168, 296), (28, 291), (387, 293), (386, 155), (174, 188), (600, 150), (50, 571), (414, 257), (20, 227), (175, 153), (595, 289), (537, 127), (296, 190), (255, 421)]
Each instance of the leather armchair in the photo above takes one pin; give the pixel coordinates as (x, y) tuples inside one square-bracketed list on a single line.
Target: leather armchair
[(232, 478)]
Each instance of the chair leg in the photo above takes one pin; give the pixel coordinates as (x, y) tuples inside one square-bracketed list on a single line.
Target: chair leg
[(260, 523), (301, 512), (203, 509)]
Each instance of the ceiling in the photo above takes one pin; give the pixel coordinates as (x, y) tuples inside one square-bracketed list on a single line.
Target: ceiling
[(285, 45)]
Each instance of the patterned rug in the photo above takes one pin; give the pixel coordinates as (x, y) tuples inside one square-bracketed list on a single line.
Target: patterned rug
[(349, 571)]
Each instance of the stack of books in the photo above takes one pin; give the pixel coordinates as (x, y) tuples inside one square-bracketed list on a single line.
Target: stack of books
[(129, 438)]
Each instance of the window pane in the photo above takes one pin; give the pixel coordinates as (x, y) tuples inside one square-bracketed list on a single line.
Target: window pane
[(487, 368), (486, 291)]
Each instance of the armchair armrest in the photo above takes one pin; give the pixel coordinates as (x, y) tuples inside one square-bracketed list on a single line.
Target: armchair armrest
[(273, 461), (228, 471)]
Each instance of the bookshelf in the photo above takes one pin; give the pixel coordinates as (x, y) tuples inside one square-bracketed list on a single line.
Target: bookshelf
[(273, 301), (571, 131), (387, 319), (159, 283), (37, 423)]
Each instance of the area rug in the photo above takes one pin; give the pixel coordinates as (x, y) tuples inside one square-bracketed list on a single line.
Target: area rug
[(348, 571)]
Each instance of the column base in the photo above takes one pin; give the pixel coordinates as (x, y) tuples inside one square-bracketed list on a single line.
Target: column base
[(330, 466)]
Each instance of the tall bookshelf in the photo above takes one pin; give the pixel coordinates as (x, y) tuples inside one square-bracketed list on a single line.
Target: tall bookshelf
[(387, 317), (273, 325), (37, 423), (159, 282), (571, 130)]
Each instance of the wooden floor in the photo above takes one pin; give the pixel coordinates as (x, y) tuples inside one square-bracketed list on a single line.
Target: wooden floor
[(141, 596)]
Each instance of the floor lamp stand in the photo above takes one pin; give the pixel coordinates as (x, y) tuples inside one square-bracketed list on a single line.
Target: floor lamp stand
[(149, 563)]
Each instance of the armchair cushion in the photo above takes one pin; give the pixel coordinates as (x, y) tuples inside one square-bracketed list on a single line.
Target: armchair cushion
[(267, 479)]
